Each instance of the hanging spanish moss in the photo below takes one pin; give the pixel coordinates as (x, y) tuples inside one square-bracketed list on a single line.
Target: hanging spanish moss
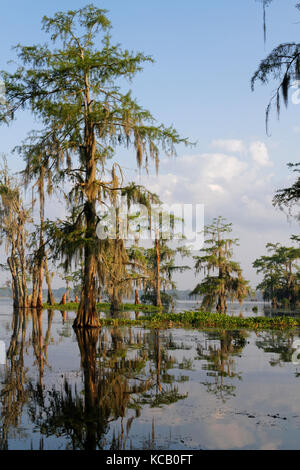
[(265, 4)]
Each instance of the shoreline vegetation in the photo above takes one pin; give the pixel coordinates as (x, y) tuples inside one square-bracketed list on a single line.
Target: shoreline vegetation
[(156, 318), (104, 306)]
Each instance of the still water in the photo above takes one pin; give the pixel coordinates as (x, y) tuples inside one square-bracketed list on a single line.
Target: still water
[(134, 388)]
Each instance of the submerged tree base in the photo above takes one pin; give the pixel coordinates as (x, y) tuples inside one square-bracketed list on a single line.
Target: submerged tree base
[(91, 322), (87, 318), (77, 326)]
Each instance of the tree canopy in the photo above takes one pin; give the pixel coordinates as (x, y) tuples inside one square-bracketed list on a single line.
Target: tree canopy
[(75, 91), (228, 281)]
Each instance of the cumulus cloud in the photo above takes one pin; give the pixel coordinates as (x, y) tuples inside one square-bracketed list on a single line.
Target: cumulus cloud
[(225, 184), (239, 187), (257, 150), (259, 154), (229, 145)]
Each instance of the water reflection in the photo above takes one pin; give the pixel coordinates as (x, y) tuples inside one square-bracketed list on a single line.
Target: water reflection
[(279, 342), (248, 309), (122, 371), (218, 354), (13, 392), (280, 312), (133, 388), (83, 416)]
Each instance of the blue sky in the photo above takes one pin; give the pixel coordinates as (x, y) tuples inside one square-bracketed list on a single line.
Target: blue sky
[(205, 53)]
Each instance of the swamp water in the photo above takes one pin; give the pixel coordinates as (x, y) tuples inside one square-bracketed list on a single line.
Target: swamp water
[(134, 388)]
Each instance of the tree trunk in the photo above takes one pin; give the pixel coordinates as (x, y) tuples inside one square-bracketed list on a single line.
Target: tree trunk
[(222, 305), (41, 252), (115, 304), (19, 291), (51, 300), (157, 274), (274, 302), (67, 291), (137, 298), (63, 299), (22, 255), (87, 315), (34, 288), (39, 301)]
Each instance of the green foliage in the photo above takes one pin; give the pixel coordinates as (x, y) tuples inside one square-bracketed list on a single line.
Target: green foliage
[(161, 258), (281, 281), (282, 65), (203, 320), (288, 197), (75, 88), (228, 281), (149, 297), (72, 306)]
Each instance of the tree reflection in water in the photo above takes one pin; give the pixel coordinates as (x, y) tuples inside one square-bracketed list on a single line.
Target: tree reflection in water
[(14, 392), (279, 342), (123, 370), (219, 354)]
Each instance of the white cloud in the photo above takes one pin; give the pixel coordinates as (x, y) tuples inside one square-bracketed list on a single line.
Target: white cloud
[(216, 187), (229, 145), (258, 150), (221, 166), (259, 154), (240, 188)]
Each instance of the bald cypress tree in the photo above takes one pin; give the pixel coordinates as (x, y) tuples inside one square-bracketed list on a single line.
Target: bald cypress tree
[(223, 276), (74, 90), (282, 65), (14, 220), (281, 275)]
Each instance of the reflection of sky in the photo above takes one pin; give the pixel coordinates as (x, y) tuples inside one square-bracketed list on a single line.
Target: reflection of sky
[(244, 420), (201, 421)]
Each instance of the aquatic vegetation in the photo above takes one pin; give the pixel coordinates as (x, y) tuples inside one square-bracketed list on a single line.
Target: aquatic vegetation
[(188, 319), (104, 306), (202, 319)]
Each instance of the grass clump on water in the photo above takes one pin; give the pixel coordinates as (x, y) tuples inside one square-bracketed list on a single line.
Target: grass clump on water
[(188, 319)]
